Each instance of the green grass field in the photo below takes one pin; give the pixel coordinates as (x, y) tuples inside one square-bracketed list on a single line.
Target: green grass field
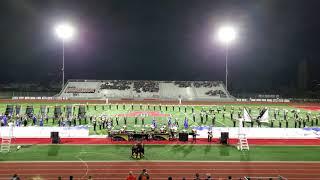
[(161, 152), (185, 111), (166, 152)]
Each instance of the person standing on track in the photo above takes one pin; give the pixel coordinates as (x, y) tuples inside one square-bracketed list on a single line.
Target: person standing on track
[(144, 175), (15, 177), (131, 176), (208, 176), (197, 176)]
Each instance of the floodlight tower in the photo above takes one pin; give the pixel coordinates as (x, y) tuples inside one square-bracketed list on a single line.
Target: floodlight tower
[(65, 32), (226, 35)]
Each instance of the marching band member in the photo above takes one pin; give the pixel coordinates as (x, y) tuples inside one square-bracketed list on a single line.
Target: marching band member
[(209, 135)]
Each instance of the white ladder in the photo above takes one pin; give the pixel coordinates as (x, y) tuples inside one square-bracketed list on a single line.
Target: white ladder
[(5, 144), (243, 143), (6, 139)]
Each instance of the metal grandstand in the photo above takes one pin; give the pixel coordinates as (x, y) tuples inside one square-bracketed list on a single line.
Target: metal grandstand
[(145, 89)]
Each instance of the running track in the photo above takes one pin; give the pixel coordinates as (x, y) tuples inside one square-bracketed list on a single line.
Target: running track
[(160, 170)]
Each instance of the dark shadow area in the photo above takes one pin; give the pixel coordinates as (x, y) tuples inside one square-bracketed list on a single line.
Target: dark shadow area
[(53, 150), (224, 150)]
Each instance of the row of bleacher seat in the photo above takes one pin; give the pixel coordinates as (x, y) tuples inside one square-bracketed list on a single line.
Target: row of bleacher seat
[(145, 89)]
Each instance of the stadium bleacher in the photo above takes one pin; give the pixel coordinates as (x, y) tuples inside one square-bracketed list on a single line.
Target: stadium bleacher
[(145, 89)]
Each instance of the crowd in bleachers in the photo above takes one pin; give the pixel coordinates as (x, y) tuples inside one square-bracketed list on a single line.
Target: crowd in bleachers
[(116, 84), (216, 93), (146, 86), (183, 84), (206, 84), (146, 89), (73, 89)]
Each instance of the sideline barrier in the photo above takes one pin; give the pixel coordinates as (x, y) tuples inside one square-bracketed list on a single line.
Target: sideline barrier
[(44, 132), (283, 133), (251, 133)]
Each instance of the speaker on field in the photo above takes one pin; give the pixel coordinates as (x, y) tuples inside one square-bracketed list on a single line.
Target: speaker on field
[(224, 137), (183, 137), (55, 139)]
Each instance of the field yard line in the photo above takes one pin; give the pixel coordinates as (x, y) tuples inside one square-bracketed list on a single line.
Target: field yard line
[(167, 165), (171, 169), (165, 173), (161, 161), (87, 167), (163, 178)]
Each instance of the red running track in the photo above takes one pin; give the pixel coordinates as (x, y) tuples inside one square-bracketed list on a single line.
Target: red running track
[(304, 142), (160, 170)]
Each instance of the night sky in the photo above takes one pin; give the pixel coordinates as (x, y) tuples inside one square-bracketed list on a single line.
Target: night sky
[(161, 40)]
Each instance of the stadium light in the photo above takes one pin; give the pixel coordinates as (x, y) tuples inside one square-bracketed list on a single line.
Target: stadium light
[(65, 32), (227, 34)]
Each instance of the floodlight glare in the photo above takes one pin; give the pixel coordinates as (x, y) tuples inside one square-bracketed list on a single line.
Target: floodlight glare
[(226, 34), (64, 31)]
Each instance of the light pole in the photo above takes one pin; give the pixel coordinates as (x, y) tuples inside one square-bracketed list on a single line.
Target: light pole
[(65, 32), (226, 35)]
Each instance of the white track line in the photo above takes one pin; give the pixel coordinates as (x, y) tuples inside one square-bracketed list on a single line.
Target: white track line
[(161, 161)]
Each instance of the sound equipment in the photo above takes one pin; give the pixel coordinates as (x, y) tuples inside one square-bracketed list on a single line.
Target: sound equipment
[(183, 137), (55, 139), (224, 137)]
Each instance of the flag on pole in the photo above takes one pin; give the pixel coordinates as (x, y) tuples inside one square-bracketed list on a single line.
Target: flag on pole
[(186, 124), (246, 115), (265, 116)]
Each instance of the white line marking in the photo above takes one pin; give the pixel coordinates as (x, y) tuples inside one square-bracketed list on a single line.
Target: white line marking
[(161, 161)]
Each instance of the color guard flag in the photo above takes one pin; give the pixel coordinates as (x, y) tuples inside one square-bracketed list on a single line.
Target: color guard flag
[(246, 115), (186, 124)]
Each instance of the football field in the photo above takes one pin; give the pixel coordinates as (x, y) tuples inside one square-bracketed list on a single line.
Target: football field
[(132, 115)]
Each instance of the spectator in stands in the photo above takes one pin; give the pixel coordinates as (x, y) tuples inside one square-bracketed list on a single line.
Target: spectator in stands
[(169, 178), (144, 175), (131, 176), (208, 176), (15, 177), (229, 177), (90, 178), (197, 176)]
